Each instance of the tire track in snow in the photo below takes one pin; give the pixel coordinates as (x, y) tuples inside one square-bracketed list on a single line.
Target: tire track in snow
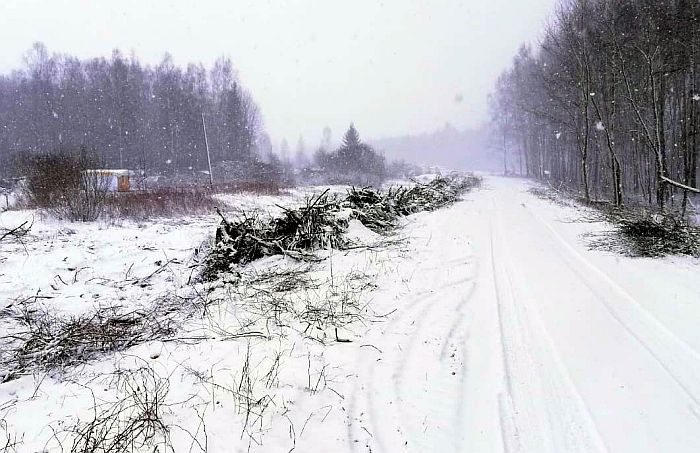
[(394, 403), (680, 361), (459, 321), (383, 422), (541, 409), (392, 373)]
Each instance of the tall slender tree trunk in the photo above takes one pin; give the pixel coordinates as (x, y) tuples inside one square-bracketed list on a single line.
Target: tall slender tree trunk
[(584, 146), (658, 97), (505, 154)]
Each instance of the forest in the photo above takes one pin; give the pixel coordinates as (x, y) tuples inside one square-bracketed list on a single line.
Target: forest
[(132, 115), (608, 103), (154, 119)]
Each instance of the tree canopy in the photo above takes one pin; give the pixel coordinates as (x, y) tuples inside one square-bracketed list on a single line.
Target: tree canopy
[(133, 115)]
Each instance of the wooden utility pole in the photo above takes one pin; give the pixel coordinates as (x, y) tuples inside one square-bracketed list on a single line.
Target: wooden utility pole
[(206, 144)]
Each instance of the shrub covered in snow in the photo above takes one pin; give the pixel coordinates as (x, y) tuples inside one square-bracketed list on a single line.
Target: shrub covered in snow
[(63, 185)]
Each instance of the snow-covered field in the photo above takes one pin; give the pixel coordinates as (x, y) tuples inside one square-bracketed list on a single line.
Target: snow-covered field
[(491, 328)]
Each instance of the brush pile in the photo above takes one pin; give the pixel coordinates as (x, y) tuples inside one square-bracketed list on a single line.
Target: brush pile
[(317, 225), (373, 208), (438, 193), (552, 194), (323, 220), (379, 211), (641, 234)]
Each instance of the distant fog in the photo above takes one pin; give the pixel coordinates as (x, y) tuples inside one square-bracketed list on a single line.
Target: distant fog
[(448, 147)]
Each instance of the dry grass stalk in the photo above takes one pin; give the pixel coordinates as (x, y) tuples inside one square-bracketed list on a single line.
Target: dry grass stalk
[(44, 340), (133, 422)]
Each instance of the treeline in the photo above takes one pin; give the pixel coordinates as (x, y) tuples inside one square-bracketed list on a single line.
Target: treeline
[(132, 115), (609, 102)]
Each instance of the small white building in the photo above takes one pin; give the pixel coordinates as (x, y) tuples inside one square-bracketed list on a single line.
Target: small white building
[(117, 180)]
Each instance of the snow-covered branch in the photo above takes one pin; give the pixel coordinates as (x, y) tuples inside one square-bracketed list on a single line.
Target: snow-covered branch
[(679, 185)]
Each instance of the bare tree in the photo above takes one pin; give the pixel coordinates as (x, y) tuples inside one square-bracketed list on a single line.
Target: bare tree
[(614, 82)]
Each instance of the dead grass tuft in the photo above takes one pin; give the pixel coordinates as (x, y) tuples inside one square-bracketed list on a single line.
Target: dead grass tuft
[(44, 340)]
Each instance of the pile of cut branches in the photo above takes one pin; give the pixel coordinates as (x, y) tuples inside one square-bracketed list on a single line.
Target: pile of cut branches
[(379, 211), (373, 208), (296, 233), (323, 220), (635, 231), (438, 193), (645, 234), (549, 193)]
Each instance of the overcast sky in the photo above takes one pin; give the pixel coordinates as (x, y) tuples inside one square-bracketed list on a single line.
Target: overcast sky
[(392, 67)]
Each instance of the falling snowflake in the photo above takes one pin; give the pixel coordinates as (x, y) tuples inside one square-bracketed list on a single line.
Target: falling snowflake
[(599, 125), (696, 97), (169, 161)]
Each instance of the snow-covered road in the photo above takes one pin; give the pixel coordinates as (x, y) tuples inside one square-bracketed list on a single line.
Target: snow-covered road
[(512, 337)]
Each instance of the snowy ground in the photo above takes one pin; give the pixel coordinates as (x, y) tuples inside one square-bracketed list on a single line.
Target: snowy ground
[(492, 328), (76, 266)]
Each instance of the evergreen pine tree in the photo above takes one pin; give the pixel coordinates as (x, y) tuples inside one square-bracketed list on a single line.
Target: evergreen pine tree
[(352, 138)]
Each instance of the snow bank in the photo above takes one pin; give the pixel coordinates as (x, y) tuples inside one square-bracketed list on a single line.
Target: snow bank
[(360, 234)]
